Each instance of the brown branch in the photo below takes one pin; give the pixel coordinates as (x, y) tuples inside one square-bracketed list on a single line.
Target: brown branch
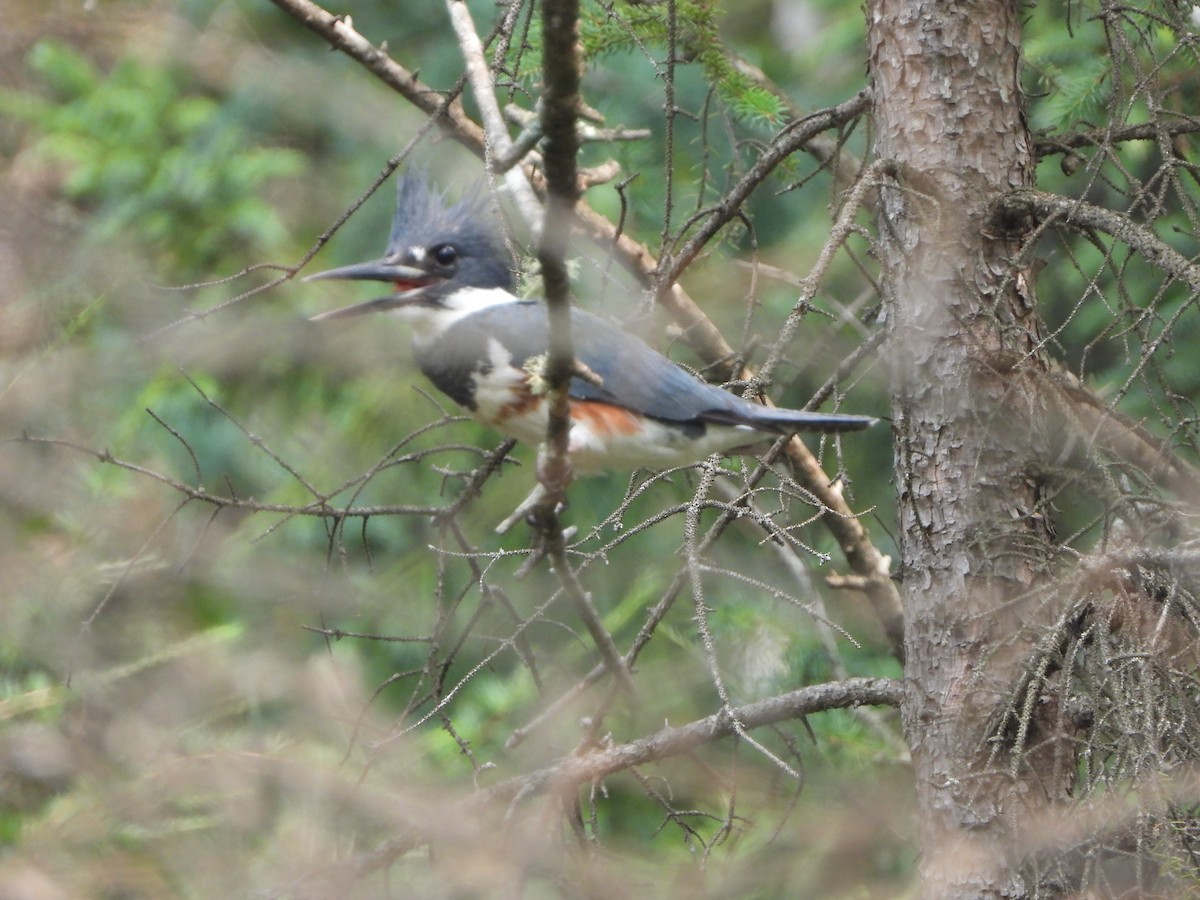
[(561, 66), (320, 507), (560, 104), (592, 766), (1081, 215), (847, 529), (1146, 131)]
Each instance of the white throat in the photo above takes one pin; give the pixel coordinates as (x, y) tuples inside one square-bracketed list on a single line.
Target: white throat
[(430, 323)]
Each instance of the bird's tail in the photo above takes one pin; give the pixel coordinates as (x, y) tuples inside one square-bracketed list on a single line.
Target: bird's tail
[(789, 421)]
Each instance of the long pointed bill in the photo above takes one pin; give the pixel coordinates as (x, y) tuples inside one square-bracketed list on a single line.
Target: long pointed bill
[(409, 282), (379, 304)]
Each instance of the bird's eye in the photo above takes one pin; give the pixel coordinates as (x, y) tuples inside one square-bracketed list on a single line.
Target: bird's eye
[(445, 255)]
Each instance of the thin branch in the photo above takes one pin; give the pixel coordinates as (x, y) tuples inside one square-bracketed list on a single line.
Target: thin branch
[(861, 553), (797, 135), (847, 529), (1079, 214), (320, 507), (1146, 131), (838, 235), (826, 150), (560, 104), (561, 67), (582, 769)]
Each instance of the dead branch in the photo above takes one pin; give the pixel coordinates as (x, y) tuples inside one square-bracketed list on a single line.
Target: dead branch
[(1087, 216), (1145, 131), (598, 763), (795, 136)]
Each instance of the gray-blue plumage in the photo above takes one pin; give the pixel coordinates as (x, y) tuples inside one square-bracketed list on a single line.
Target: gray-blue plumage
[(633, 375)]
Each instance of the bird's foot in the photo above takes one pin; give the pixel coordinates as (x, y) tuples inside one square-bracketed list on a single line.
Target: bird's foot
[(528, 508), (524, 508), (548, 497)]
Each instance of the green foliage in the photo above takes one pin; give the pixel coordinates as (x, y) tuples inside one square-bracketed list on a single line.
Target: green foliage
[(1077, 86), (699, 42), (1105, 73), (153, 160)]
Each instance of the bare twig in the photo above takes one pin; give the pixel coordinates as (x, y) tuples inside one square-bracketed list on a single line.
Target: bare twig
[(600, 763), (1082, 215), (1145, 131), (797, 134), (841, 230)]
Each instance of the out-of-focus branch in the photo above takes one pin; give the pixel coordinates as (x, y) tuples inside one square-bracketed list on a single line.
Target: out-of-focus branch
[(560, 75), (560, 102), (561, 67)]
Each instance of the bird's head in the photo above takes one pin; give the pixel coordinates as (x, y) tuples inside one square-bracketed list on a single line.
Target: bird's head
[(442, 260)]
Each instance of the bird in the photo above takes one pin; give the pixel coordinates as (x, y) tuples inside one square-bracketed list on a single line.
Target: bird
[(452, 280)]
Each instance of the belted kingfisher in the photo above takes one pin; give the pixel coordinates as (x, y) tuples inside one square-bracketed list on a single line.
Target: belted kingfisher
[(484, 347)]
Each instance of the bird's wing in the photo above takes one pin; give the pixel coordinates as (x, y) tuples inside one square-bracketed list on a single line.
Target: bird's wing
[(630, 374)]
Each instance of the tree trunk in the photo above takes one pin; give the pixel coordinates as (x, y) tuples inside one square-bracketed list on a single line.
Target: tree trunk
[(964, 342)]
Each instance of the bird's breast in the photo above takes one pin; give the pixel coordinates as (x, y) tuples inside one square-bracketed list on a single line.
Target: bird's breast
[(603, 436)]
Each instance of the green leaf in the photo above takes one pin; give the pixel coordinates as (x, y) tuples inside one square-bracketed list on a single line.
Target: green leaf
[(66, 72), (1076, 95)]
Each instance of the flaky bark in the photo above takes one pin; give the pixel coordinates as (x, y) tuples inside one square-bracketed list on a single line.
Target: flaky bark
[(948, 113)]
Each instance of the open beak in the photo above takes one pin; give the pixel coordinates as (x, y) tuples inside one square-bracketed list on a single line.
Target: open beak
[(409, 283)]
